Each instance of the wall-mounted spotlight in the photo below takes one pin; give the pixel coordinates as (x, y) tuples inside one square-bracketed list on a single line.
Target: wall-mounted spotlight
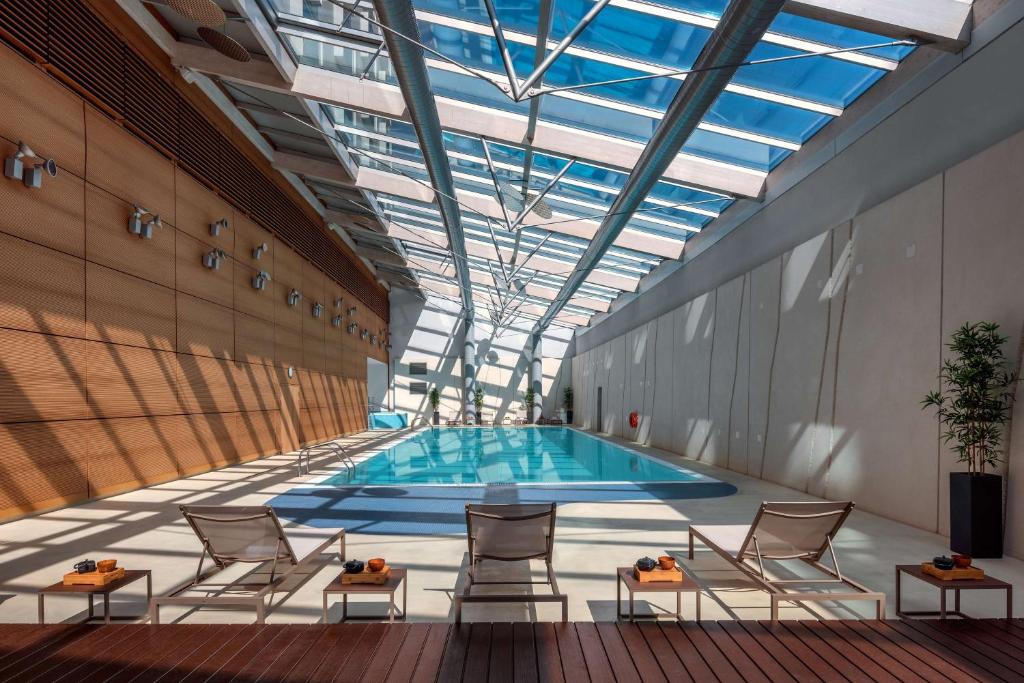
[(336, 321), (140, 227), (318, 309), (217, 226), (337, 303), (32, 176), (212, 258), (259, 250), (373, 340), (294, 297), (352, 327), (364, 334), (260, 280), (352, 312)]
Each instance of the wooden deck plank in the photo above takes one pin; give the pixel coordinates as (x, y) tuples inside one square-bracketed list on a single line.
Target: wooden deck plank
[(829, 654), (643, 658), (949, 664), (453, 662), (922, 666), (663, 654), (599, 668), (756, 649), (524, 652), (743, 661), (801, 662), (299, 649), (502, 654), (574, 665), (429, 664), (874, 653), (408, 655), (960, 651), (385, 655), (478, 654), (354, 668)]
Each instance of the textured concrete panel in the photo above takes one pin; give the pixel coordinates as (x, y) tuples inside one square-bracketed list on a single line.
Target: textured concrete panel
[(799, 356), (694, 338), (765, 282), (661, 425), (616, 362), (728, 306), (885, 450), (643, 433), (739, 409)]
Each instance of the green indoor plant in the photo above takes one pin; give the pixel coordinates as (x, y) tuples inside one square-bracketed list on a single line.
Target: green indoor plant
[(529, 399), (973, 404), (478, 402), (567, 404), (435, 400)]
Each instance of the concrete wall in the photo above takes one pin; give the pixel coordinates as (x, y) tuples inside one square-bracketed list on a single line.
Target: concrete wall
[(808, 370), (432, 331)]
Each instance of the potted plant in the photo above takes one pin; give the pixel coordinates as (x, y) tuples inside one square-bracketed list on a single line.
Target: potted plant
[(529, 398), (478, 402), (973, 403), (567, 404), (435, 400)]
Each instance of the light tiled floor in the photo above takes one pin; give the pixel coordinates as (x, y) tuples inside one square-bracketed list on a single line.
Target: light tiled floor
[(144, 529)]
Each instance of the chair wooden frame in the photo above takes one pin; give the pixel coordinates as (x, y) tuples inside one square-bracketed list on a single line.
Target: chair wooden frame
[(493, 512), (259, 592), (752, 562)]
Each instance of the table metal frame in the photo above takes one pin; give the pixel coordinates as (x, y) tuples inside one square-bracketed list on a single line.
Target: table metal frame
[(687, 585), (388, 588), (943, 612), (130, 578)]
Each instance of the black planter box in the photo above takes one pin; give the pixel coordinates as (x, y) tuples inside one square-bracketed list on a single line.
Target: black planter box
[(437, 418), (568, 416), (976, 514)]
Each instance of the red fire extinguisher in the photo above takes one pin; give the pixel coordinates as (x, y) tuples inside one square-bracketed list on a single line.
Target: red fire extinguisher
[(634, 420)]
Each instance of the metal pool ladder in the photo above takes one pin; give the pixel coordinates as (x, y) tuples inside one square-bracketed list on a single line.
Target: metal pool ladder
[(323, 448)]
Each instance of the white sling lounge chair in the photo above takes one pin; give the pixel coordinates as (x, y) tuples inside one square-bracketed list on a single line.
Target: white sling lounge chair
[(510, 533), (788, 531), (251, 534)]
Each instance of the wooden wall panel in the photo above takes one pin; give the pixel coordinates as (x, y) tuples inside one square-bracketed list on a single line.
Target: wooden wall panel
[(205, 328), (206, 385), (109, 243), (210, 443), (256, 386), (256, 434), (53, 215), (124, 309), (248, 236), (197, 207), (198, 280), (125, 167), (127, 381), (254, 339), (127, 453), (42, 465), (41, 290), (249, 300), (42, 377), (36, 109)]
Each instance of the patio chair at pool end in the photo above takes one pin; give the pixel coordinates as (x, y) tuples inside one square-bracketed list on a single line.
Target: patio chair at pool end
[(453, 420), (788, 531), (510, 533), (247, 534)]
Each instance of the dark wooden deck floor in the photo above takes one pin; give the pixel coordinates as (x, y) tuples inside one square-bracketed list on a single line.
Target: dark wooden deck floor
[(521, 652)]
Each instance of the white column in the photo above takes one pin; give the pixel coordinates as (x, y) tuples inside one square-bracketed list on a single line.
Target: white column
[(469, 368), (536, 375)]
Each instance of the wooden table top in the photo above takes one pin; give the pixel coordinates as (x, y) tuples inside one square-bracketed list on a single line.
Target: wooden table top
[(687, 584), (396, 577), (130, 575), (987, 582)]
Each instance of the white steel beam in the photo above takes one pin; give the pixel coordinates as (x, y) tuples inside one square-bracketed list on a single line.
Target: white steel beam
[(945, 24)]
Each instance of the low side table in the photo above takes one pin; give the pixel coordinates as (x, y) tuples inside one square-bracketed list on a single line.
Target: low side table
[(388, 588), (130, 576), (988, 583), (625, 576)]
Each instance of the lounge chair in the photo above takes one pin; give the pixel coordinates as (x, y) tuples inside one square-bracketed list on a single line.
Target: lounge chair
[(787, 531), (486, 419), (251, 534), (453, 420), (510, 533)]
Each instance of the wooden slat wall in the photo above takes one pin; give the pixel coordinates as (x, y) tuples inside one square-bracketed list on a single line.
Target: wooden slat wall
[(124, 362)]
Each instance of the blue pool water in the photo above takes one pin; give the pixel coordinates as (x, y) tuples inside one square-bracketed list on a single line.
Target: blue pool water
[(521, 455)]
